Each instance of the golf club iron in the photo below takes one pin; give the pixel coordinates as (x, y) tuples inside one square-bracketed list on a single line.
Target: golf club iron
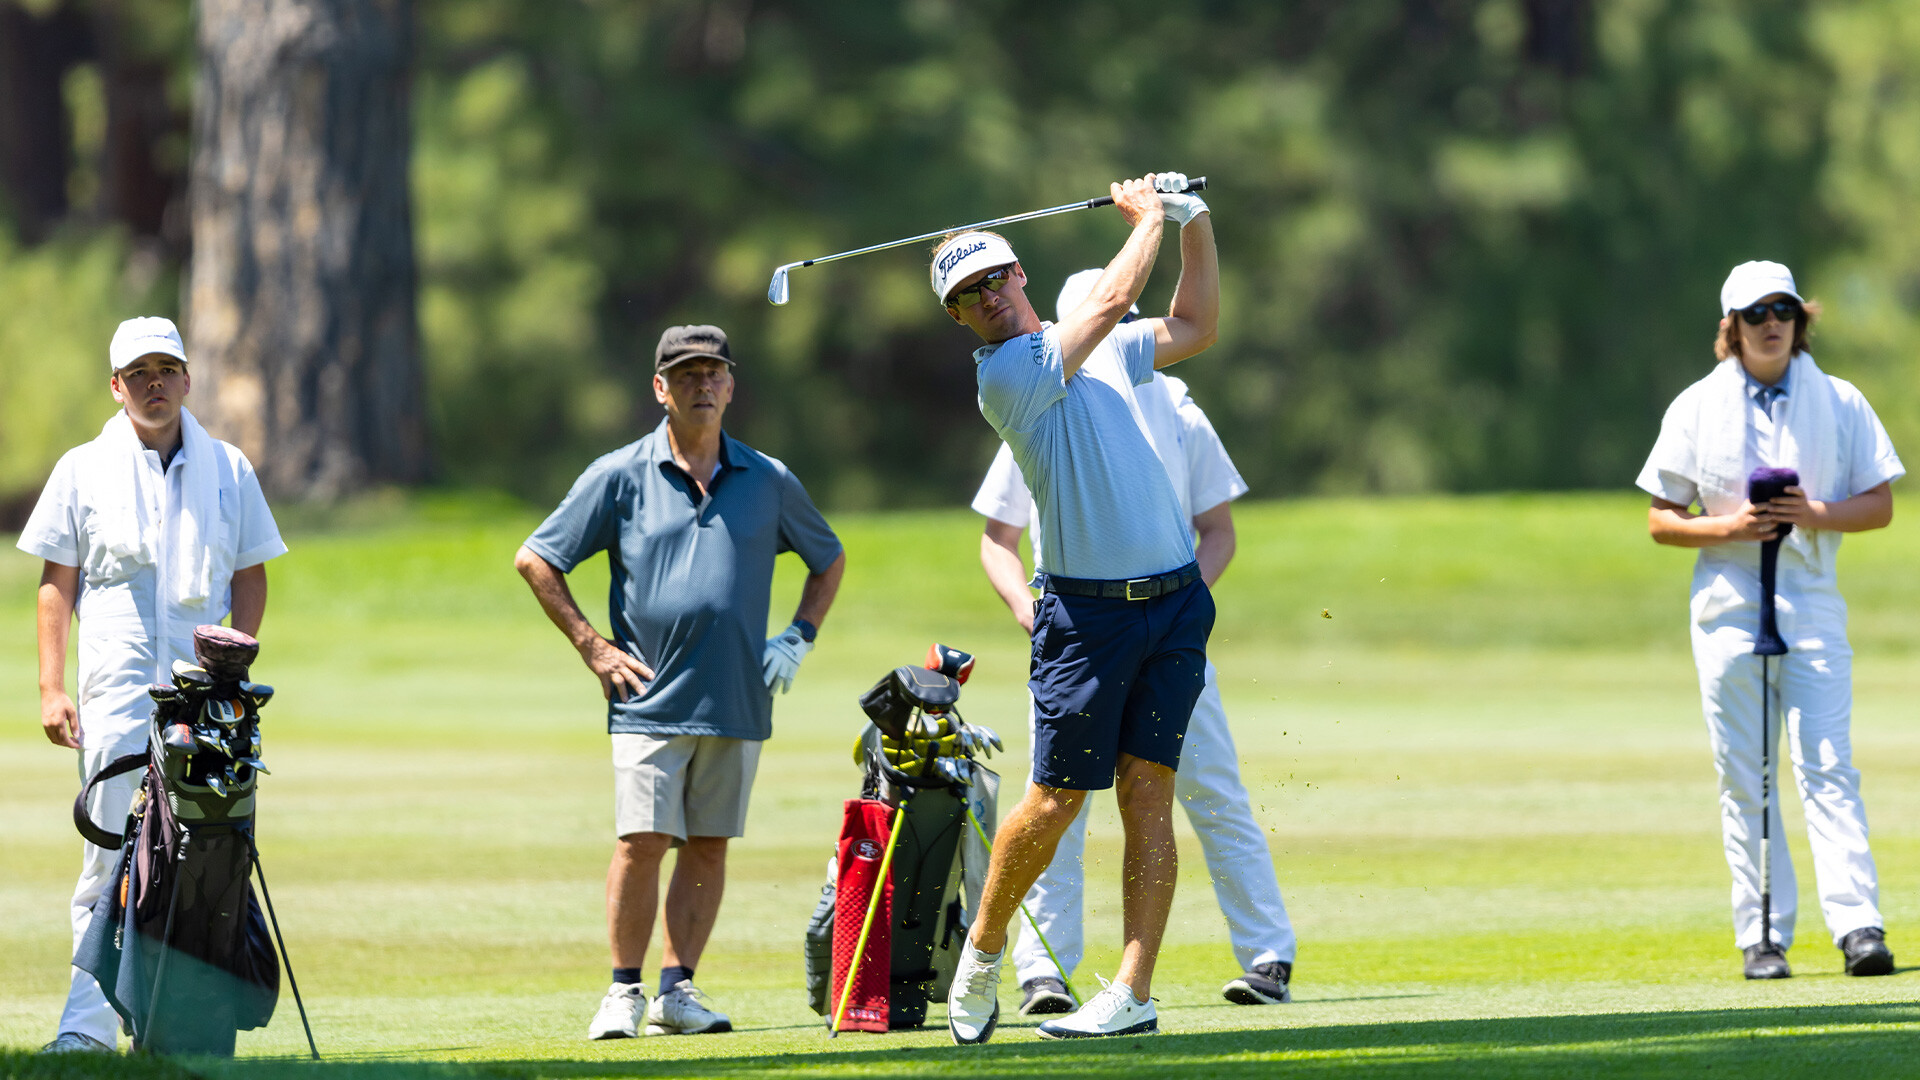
[(777, 288), (1763, 486)]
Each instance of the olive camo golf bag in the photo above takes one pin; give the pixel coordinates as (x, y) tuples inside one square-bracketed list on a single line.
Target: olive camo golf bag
[(178, 941)]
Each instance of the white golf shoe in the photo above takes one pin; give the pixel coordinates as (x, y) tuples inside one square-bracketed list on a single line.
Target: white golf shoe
[(1112, 1011), (683, 1011), (75, 1042), (620, 1012), (973, 1002)]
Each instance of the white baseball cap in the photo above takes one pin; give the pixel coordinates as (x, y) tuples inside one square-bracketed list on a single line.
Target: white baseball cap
[(966, 255), (1752, 280), (1074, 292), (143, 336)]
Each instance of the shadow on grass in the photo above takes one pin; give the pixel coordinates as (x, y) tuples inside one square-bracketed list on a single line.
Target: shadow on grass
[(1840, 1040)]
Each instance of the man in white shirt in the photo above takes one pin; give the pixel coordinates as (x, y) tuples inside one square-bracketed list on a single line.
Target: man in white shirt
[(1208, 782), (148, 531)]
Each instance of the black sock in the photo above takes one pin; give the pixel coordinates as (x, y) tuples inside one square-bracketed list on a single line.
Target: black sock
[(671, 977), (626, 975)]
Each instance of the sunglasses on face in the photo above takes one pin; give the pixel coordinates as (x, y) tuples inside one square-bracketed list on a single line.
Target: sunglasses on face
[(1784, 310), (970, 296)]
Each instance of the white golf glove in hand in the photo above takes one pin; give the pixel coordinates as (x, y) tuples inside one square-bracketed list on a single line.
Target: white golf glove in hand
[(783, 656), (1180, 208)]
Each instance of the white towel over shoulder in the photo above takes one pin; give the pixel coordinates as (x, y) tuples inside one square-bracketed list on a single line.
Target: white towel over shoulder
[(1809, 441), (200, 550)]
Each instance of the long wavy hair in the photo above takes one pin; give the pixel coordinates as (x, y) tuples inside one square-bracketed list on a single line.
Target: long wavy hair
[(1727, 343)]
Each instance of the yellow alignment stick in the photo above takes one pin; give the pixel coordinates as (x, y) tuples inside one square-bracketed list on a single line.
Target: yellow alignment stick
[(873, 905), (1061, 968)]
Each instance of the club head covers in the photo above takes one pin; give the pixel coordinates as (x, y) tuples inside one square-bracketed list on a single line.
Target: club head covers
[(224, 652), (949, 661), (1766, 483)]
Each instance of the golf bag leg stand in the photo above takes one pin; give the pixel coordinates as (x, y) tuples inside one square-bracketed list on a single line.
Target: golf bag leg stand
[(285, 960)]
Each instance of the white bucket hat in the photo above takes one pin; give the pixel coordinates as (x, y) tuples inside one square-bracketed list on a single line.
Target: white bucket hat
[(1752, 280), (966, 255), (144, 336)]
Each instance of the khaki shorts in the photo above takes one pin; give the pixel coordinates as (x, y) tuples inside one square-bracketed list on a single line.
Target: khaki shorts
[(682, 785)]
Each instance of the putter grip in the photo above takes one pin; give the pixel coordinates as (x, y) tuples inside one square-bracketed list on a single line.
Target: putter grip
[(1198, 183)]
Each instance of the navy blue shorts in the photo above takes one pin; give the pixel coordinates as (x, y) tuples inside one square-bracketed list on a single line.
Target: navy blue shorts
[(1113, 676)]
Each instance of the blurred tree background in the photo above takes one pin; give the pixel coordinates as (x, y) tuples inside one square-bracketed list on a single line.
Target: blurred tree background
[(1467, 244)]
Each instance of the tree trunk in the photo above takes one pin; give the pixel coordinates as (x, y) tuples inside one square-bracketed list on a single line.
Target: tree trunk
[(301, 296)]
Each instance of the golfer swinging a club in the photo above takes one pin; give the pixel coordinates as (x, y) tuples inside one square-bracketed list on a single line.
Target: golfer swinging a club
[(1768, 405), (1120, 630)]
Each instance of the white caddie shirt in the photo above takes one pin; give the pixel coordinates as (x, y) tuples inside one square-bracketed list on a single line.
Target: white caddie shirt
[(1202, 474), (132, 628)]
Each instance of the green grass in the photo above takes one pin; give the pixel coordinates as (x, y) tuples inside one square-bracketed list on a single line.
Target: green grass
[(1483, 767)]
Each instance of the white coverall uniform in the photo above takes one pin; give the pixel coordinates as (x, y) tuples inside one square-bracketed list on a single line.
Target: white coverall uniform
[(1207, 782), (133, 625), (1714, 434)]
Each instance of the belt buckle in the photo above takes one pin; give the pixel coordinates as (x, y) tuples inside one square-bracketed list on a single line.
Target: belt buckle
[(1143, 583)]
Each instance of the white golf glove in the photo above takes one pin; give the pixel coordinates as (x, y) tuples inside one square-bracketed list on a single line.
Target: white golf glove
[(1180, 208), (782, 660)]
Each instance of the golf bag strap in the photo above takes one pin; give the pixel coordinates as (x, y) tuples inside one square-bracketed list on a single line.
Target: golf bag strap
[(94, 834)]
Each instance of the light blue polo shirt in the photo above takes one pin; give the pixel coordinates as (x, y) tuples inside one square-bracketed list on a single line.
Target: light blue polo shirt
[(692, 576), (1106, 506)]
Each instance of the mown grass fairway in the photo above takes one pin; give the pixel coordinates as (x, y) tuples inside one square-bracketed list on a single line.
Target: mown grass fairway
[(1484, 768)]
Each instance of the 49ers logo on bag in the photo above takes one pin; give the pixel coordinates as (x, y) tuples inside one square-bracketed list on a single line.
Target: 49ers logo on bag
[(866, 849)]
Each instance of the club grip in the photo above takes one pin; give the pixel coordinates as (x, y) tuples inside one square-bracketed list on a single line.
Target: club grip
[(1198, 183)]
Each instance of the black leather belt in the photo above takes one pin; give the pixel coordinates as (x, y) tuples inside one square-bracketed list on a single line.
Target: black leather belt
[(1145, 588)]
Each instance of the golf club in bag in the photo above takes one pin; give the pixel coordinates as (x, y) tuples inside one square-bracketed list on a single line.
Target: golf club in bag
[(178, 942), (1763, 486), (777, 288), (893, 914)]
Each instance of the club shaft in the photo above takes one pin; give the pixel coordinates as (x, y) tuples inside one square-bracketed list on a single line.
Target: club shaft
[(1197, 184), (1766, 804)]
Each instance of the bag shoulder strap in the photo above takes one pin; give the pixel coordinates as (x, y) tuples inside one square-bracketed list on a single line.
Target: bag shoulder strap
[(82, 821)]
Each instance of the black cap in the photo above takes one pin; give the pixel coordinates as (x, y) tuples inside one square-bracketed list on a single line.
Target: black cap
[(690, 343)]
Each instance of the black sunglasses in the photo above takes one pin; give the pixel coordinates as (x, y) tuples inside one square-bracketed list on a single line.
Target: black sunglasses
[(970, 295), (1784, 310)]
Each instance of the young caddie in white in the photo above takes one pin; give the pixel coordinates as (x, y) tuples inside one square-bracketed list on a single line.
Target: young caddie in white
[(1208, 783), (1768, 404), (148, 531), (1120, 630)]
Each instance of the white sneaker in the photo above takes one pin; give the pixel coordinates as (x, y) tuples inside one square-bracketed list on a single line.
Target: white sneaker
[(75, 1042), (683, 1011), (1112, 1011), (973, 1002), (620, 1012)]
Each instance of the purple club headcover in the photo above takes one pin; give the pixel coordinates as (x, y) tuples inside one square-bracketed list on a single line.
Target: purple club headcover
[(1767, 483), (223, 651)]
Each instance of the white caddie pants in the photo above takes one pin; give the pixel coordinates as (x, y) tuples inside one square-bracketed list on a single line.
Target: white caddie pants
[(1811, 700), (87, 1011), (1208, 785)]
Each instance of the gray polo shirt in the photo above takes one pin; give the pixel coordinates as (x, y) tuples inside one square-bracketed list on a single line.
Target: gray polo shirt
[(691, 576)]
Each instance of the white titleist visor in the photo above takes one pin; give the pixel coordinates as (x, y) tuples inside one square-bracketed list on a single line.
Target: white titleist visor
[(1752, 280), (966, 255)]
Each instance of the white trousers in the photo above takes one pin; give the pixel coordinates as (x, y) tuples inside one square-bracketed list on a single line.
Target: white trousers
[(1810, 697), (1238, 859), (87, 1011)]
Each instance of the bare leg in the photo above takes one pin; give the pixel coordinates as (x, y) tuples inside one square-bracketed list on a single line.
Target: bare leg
[(1145, 792), (693, 899), (633, 894), (1021, 849)]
